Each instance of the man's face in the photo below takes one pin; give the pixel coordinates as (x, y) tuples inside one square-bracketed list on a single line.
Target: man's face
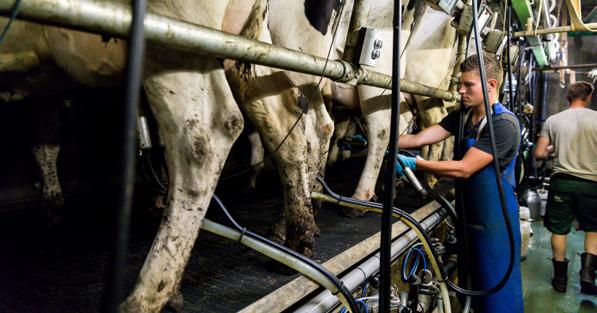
[(471, 91)]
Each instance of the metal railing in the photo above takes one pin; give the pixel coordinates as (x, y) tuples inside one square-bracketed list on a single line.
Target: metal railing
[(115, 20)]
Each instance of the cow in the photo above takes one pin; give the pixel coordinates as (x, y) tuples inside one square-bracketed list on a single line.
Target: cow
[(196, 112)]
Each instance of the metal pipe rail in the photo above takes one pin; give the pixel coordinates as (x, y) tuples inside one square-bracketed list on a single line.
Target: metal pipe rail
[(560, 67), (553, 30), (115, 20)]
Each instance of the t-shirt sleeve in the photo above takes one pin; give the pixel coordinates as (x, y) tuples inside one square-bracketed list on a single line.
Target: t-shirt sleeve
[(507, 138), (451, 122)]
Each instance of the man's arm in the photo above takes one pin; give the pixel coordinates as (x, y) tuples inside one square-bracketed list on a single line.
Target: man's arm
[(473, 161), (542, 148), (428, 136)]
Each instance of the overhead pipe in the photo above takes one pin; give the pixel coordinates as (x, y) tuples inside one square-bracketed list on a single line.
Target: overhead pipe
[(325, 300), (552, 30), (115, 20), (559, 67)]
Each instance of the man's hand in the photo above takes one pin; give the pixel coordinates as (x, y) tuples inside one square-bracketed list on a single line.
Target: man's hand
[(542, 149), (408, 162)]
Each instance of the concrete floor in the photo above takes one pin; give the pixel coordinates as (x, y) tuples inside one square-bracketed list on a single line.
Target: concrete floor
[(537, 270)]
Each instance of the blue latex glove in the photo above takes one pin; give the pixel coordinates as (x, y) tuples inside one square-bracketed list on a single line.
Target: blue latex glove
[(408, 162)]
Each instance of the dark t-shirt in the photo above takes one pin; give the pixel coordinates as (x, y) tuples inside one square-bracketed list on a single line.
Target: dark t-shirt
[(507, 134)]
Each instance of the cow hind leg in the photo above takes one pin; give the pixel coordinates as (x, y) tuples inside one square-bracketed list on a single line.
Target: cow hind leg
[(432, 112), (273, 118), (45, 151), (298, 210), (319, 130), (257, 161), (198, 121)]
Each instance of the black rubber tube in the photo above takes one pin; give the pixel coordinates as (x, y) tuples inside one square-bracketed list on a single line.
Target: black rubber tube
[(498, 173), (331, 277), (385, 268), (408, 217), (509, 58), (136, 49)]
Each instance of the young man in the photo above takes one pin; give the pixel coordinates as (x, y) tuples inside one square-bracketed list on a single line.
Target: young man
[(573, 186), (489, 247)]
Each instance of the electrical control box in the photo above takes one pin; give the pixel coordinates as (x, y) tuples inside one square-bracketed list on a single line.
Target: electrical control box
[(370, 43)]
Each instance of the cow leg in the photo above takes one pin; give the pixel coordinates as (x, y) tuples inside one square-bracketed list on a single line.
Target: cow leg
[(342, 127), (376, 111), (298, 210), (318, 131), (375, 106), (176, 301), (198, 121), (432, 112), (45, 150), (347, 97), (257, 160), (274, 117)]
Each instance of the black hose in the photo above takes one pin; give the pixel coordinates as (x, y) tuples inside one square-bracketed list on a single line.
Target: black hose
[(331, 277), (446, 205), (417, 225), (498, 174), (385, 266), (521, 58), (509, 58), (136, 48), (395, 210)]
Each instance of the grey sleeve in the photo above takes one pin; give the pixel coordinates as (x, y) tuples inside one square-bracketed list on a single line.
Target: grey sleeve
[(507, 139)]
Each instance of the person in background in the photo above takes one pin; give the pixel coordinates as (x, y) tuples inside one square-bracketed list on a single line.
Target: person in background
[(572, 136), (489, 247)]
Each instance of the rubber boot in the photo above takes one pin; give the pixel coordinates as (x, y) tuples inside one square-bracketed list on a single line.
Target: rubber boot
[(588, 263), (560, 275)]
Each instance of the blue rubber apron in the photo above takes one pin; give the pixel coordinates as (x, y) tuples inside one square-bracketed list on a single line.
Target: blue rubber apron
[(489, 248)]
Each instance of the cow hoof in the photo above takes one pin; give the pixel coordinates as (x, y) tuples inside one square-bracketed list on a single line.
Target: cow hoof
[(317, 231), (351, 213), (277, 232), (129, 306), (176, 302), (302, 242), (51, 215)]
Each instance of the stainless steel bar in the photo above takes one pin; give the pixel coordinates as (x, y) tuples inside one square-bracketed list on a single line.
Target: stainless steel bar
[(561, 29), (115, 20), (559, 67)]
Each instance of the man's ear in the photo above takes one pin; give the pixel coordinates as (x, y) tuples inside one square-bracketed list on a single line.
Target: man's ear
[(492, 83)]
